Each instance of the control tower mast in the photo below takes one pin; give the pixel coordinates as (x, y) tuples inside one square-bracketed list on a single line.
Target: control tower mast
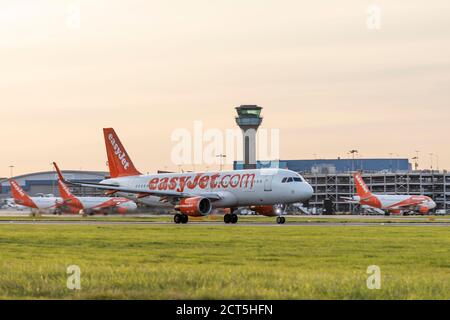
[(249, 119)]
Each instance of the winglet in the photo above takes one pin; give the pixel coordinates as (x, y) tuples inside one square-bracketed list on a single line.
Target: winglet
[(119, 162)]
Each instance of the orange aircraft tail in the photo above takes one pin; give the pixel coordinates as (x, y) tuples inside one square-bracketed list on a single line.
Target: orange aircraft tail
[(20, 196), (64, 191), (119, 162), (361, 187)]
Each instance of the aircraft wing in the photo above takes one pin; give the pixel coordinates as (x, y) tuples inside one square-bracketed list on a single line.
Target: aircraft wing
[(350, 200), (113, 202), (144, 193)]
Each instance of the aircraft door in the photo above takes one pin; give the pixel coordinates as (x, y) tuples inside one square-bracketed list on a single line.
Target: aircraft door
[(268, 182)]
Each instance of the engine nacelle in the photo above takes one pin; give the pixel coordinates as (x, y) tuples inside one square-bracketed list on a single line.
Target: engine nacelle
[(195, 207), (122, 210), (268, 211), (424, 210)]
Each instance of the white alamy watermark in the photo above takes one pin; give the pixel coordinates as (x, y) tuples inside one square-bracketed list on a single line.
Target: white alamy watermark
[(200, 146), (374, 279), (74, 278), (373, 21), (73, 16)]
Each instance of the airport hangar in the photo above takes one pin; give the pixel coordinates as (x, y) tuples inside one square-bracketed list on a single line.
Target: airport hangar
[(332, 179)]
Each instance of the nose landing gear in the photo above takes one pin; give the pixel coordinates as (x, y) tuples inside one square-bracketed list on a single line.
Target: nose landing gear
[(281, 220)]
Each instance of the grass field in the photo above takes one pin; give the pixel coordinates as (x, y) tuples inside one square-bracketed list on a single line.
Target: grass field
[(249, 219), (223, 262)]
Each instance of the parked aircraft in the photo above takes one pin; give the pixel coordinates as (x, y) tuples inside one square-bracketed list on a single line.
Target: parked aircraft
[(36, 204), (91, 205), (395, 204)]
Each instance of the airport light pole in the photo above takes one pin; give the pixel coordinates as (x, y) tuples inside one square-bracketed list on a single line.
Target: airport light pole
[(417, 160), (431, 158), (11, 171), (222, 157), (353, 152), (416, 163)]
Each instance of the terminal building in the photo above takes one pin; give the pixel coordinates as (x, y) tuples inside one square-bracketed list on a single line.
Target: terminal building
[(44, 183), (333, 180)]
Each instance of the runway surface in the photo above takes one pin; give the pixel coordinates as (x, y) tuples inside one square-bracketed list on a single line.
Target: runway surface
[(221, 224)]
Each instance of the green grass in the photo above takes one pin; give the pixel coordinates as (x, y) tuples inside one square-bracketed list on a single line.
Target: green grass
[(249, 219), (223, 262)]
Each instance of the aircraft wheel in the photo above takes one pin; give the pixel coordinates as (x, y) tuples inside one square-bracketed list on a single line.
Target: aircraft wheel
[(227, 218), (281, 220), (234, 218), (184, 219), (177, 218)]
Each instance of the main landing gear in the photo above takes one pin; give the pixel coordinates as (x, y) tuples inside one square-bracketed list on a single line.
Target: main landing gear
[(180, 218), (281, 220), (230, 218)]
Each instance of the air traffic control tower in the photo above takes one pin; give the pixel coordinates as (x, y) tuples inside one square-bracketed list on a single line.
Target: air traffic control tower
[(249, 119)]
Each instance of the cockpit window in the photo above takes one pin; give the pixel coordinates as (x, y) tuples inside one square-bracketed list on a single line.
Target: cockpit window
[(292, 179)]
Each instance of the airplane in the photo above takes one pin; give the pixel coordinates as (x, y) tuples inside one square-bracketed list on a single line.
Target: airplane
[(36, 204), (395, 204), (196, 194), (90, 205), (8, 203)]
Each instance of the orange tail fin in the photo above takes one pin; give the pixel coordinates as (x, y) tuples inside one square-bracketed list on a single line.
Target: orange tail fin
[(120, 164), (20, 196), (64, 191), (361, 187)]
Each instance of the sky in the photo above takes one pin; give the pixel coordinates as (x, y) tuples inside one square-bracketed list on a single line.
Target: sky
[(328, 80)]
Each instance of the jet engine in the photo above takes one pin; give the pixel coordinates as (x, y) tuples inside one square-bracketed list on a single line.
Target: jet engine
[(268, 211), (423, 210), (194, 207)]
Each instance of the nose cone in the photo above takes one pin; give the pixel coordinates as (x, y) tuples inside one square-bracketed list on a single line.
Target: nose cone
[(306, 191), (132, 206), (310, 191)]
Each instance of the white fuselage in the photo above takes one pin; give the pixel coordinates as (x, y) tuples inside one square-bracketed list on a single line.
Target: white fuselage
[(97, 203), (43, 203), (396, 202), (235, 188)]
